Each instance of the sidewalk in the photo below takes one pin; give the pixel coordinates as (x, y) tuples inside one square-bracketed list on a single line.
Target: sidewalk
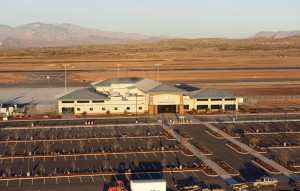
[(254, 153), (228, 179)]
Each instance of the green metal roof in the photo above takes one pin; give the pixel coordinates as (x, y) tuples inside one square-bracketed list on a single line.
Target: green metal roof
[(210, 93), (83, 94)]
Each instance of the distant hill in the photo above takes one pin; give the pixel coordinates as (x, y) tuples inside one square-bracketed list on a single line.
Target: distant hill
[(178, 49), (277, 34), (47, 35)]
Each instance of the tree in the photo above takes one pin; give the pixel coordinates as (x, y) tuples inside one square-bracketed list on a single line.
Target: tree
[(73, 166), (8, 170), (47, 146), (114, 132), (16, 134), (254, 140), (286, 125), (163, 162), (105, 165), (194, 111), (84, 114), (66, 133), (116, 146), (136, 163), (107, 112), (138, 131), (184, 141), (284, 156), (41, 168), (12, 149), (229, 127), (41, 134), (81, 145), (149, 143), (267, 128), (170, 128)]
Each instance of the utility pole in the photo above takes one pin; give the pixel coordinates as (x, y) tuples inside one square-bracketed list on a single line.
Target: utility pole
[(119, 70), (65, 65), (136, 107), (157, 65)]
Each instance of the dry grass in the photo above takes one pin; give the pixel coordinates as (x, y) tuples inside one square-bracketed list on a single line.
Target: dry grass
[(171, 48), (12, 77)]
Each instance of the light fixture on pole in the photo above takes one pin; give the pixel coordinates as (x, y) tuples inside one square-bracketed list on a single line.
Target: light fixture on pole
[(119, 70), (65, 65), (158, 65)]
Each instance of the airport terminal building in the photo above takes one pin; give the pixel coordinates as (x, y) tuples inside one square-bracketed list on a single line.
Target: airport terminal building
[(142, 95)]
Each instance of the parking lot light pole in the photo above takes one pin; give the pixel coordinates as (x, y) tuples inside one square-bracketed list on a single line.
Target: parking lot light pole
[(158, 65), (119, 70), (65, 65)]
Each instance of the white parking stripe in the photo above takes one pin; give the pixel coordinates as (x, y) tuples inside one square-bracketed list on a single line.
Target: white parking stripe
[(154, 166), (161, 175), (80, 179), (126, 176), (150, 176), (44, 180), (195, 174), (145, 155), (20, 182), (125, 155), (56, 180), (183, 174), (165, 154), (69, 180), (292, 150), (7, 182), (92, 179), (104, 178), (154, 155)]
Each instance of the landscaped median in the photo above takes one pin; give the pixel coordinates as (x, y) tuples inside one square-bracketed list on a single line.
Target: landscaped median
[(265, 166), (206, 169), (286, 165), (237, 148), (202, 149), (214, 134), (227, 168)]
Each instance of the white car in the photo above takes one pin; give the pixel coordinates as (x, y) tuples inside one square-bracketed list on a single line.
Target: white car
[(265, 181)]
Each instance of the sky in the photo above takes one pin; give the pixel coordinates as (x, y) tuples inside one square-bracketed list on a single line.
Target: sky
[(174, 18)]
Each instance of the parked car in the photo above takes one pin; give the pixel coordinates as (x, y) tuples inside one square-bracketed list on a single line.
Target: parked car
[(265, 181), (239, 186)]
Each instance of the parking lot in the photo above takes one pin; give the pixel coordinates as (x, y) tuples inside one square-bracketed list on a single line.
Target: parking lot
[(91, 154), (94, 155), (241, 162)]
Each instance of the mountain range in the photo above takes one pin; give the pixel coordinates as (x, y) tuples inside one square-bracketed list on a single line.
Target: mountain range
[(278, 34), (43, 35), (47, 35)]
